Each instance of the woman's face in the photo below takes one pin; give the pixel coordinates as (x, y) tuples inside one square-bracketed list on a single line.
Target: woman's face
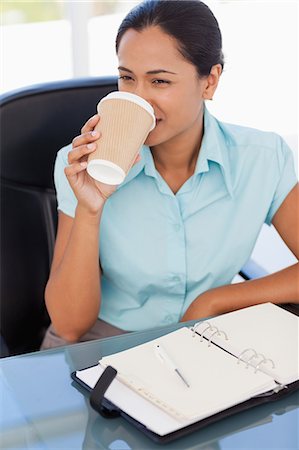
[(151, 66)]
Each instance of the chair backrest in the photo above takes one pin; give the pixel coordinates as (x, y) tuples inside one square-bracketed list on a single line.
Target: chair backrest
[(35, 123)]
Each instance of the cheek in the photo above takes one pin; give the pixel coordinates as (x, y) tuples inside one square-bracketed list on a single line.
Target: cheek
[(167, 102), (183, 106), (185, 112)]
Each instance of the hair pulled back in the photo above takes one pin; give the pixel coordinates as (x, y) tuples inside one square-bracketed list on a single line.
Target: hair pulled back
[(190, 22)]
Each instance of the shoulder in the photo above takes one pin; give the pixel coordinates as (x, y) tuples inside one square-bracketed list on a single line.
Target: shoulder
[(65, 196), (255, 145), (238, 136), (60, 164)]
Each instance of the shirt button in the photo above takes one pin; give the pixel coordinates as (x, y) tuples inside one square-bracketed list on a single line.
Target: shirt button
[(170, 318), (177, 227), (176, 279)]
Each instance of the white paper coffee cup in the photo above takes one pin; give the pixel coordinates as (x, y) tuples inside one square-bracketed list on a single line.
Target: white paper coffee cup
[(126, 120)]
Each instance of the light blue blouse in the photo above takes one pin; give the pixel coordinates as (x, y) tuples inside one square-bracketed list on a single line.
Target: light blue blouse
[(159, 251)]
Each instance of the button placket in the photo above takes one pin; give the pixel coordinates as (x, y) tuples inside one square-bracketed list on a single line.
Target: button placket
[(177, 250)]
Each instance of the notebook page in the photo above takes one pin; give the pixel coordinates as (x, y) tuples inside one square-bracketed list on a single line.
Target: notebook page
[(216, 380), (136, 406), (269, 330), (133, 404)]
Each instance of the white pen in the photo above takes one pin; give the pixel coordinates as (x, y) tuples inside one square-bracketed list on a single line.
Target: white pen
[(166, 358)]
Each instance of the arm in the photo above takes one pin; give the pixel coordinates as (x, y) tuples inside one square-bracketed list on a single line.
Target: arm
[(279, 287), (73, 290)]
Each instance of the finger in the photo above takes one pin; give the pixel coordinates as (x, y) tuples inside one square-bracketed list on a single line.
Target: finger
[(81, 153), (74, 169), (90, 124), (86, 138)]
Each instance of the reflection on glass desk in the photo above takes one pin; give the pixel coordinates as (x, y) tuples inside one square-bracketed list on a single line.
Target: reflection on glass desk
[(42, 408)]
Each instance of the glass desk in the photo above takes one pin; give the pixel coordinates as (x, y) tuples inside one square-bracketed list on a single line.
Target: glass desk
[(42, 408)]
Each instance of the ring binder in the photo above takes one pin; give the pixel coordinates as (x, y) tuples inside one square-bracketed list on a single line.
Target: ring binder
[(215, 331), (147, 394)]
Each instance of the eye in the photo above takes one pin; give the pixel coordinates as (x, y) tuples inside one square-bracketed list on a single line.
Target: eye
[(159, 81), (125, 78)]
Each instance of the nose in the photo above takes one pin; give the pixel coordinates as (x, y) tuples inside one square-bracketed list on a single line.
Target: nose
[(145, 97), (142, 92)]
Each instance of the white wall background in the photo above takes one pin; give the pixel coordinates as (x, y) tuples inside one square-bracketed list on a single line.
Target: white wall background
[(259, 86)]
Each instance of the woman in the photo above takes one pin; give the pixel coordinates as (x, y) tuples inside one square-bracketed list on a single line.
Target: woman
[(172, 236)]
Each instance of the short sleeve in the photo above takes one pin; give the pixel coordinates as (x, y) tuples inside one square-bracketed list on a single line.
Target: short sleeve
[(66, 199), (287, 178)]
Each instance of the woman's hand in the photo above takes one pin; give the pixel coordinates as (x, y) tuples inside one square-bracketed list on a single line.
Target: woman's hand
[(91, 194)]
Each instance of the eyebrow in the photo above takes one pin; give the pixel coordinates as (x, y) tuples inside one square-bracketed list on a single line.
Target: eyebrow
[(150, 72)]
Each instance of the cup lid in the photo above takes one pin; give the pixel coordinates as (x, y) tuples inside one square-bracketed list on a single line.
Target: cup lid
[(105, 171), (135, 99)]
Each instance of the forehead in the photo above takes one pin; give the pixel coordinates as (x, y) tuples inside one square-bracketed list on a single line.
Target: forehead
[(150, 47)]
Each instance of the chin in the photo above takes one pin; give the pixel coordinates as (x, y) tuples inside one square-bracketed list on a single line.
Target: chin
[(150, 141), (153, 139)]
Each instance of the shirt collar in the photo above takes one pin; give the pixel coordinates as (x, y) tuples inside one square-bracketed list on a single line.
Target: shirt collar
[(146, 163), (213, 148)]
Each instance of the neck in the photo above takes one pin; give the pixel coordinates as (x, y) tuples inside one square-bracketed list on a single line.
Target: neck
[(181, 152)]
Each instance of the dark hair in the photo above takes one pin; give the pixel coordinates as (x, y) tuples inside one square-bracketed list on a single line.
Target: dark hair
[(191, 23)]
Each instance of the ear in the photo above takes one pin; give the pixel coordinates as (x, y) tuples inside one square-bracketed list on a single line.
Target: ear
[(212, 82)]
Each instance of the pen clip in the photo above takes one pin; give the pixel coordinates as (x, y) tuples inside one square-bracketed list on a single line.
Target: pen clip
[(158, 353)]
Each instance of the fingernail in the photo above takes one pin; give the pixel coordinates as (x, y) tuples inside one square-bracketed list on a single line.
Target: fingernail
[(83, 164), (91, 146), (94, 133)]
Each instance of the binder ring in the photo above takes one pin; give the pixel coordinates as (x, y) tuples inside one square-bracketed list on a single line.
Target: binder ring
[(245, 351), (207, 328), (194, 328), (224, 333), (210, 338), (264, 361), (255, 356), (217, 332)]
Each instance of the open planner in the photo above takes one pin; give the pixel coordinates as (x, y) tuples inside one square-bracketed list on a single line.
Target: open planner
[(190, 377)]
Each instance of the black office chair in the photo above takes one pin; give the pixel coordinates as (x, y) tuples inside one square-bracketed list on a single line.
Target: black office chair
[(35, 123)]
